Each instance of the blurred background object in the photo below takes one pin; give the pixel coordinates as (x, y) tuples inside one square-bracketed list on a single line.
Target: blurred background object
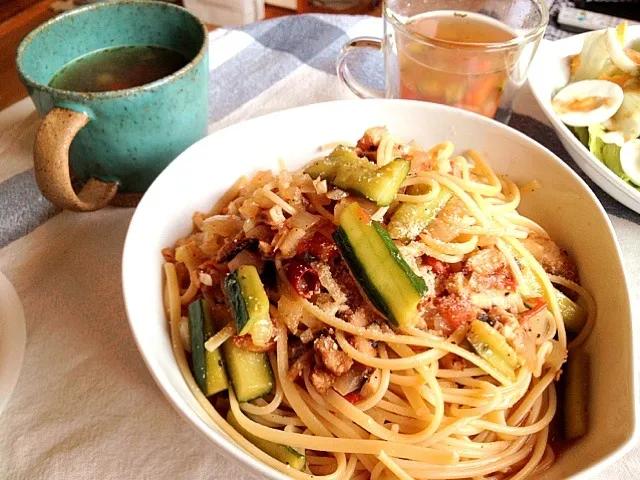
[(227, 12), (19, 17), (618, 8), (290, 4), (339, 6)]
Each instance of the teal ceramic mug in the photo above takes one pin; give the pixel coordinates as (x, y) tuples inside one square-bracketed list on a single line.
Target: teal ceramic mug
[(113, 143)]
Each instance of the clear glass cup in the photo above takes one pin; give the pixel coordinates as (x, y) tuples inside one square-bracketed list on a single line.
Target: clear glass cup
[(472, 54)]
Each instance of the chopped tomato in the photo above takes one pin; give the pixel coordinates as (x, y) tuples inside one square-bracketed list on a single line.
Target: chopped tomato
[(538, 304), (510, 282), (352, 397), (303, 278), (439, 267), (455, 310), (320, 246)]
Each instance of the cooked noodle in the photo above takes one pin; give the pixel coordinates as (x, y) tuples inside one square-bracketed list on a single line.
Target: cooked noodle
[(422, 417)]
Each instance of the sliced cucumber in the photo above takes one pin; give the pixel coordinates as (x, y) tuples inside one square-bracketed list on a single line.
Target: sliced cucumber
[(410, 219), (250, 372), (573, 315), (493, 347), (389, 283), (576, 395), (207, 366), (283, 453), (344, 169), (249, 304)]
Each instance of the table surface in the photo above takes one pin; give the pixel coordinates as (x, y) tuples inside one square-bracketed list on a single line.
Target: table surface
[(85, 405)]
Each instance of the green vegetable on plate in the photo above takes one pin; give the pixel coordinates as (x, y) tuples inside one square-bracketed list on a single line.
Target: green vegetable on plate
[(208, 369), (410, 219), (573, 314), (375, 261), (489, 344), (607, 153), (250, 372), (249, 304), (345, 170)]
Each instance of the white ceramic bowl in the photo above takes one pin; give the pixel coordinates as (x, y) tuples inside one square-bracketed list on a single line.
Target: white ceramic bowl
[(550, 72), (564, 205)]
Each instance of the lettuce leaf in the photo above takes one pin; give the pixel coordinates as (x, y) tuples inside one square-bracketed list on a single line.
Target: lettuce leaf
[(627, 118), (594, 58), (611, 158), (582, 133), (607, 153), (595, 141)]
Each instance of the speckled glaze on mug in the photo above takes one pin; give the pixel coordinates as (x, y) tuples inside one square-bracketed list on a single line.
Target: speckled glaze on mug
[(122, 138)]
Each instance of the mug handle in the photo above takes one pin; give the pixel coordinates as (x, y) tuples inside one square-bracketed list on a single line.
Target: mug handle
[(51, 164), (343, 70)]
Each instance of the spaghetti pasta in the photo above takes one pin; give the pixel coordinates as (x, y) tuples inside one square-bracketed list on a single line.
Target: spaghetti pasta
[(465, 389)]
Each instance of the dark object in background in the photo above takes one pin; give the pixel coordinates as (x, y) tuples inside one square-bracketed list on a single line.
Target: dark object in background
[(618, 8), (338, 6)]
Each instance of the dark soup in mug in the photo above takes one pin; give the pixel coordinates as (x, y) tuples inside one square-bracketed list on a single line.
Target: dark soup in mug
[(118, 68)]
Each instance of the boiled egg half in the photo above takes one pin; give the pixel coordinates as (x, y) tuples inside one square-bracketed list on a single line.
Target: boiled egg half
[(630, 160), (621, 57), (587, 102)]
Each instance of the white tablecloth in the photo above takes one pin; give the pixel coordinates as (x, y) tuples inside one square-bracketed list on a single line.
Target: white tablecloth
[(85, 406)]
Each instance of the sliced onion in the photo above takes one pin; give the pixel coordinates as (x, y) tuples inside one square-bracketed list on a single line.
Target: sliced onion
[(349, 382), (245, 257), (557, 356), (184, 334), (540, 326), (337, 194), (302, 219), (290, 311)]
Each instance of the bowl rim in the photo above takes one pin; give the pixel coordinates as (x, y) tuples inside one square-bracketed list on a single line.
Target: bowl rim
[(243, 458), (534, 80)]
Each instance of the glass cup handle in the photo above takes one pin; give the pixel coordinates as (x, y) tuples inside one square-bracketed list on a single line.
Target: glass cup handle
[(345, 75)]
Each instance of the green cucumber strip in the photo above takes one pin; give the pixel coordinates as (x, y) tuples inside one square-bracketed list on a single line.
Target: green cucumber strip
[(250, 372), (375, 261), (410, 219), (208, 369), (493, 347), (345, 170), (249, 304)]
